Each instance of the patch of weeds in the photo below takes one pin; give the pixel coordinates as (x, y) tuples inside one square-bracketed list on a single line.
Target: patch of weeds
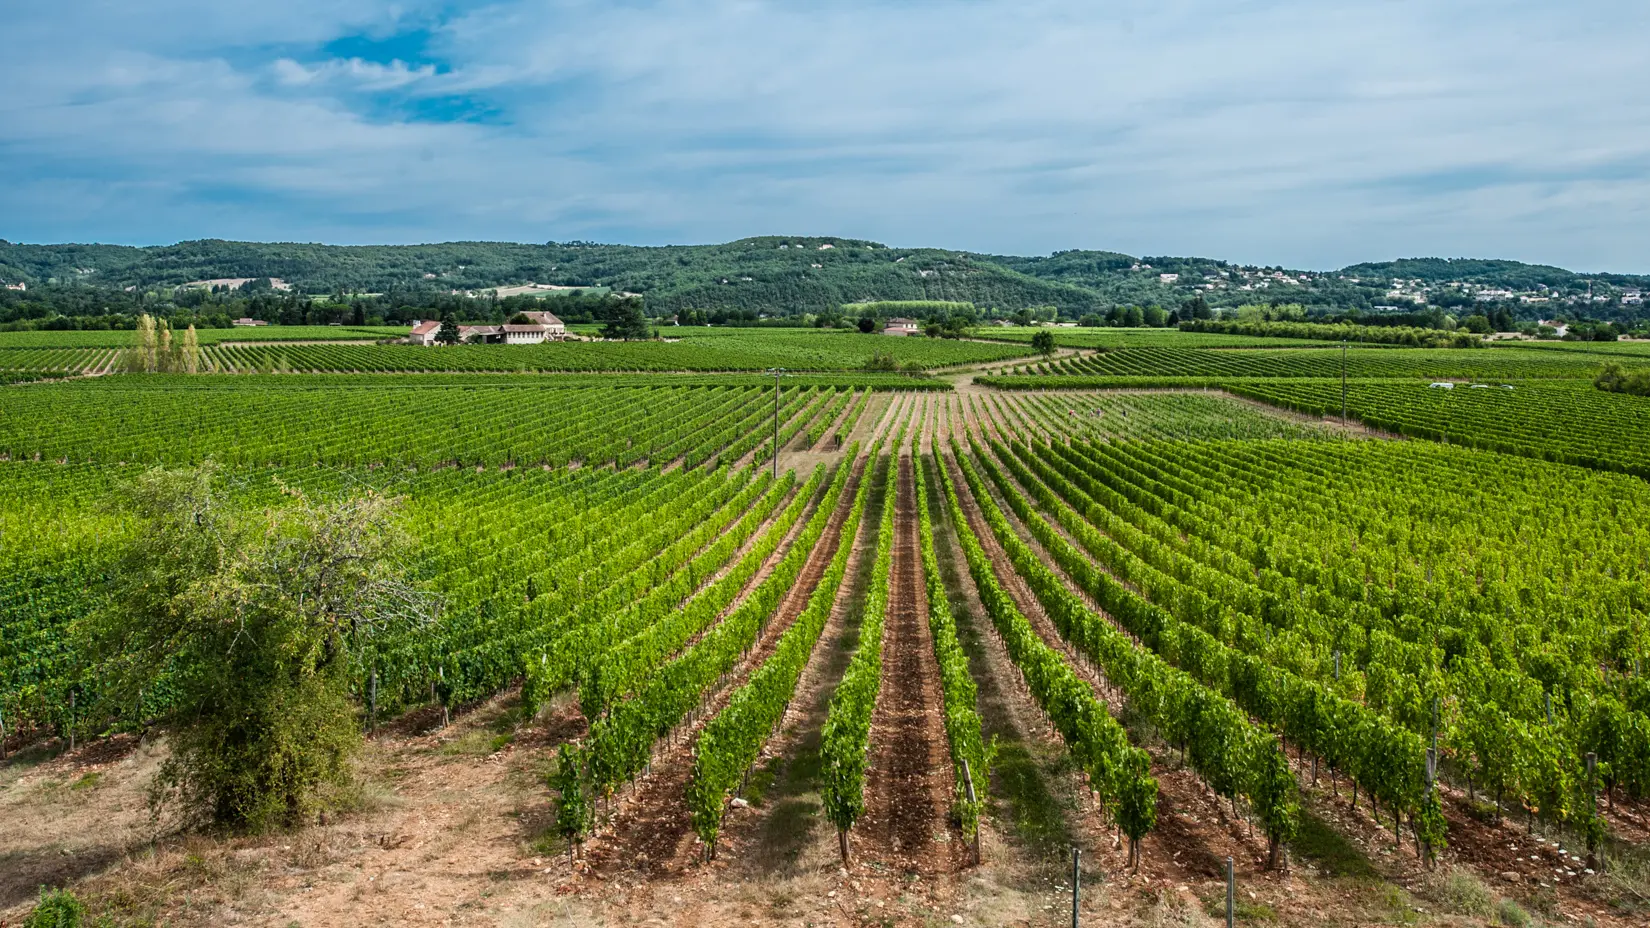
[(1397, 907), (1512, 914), (88, 781), (1329, 850), (1484, 812), (1459, 892), (1244, 910), (477, 742), (762, 779), (1170, 911)]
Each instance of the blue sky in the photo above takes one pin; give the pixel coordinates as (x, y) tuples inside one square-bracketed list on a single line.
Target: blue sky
[(1309, 134)]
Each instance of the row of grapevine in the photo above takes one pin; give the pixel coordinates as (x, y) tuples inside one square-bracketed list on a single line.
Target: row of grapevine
[(731, 742), (360, 424), (858, 409), (1568, 424), (612, 675), (1232, 755), (1117, 771), (621, 743), (970, 757), (1367, 361), (846, 737), (1421, 640), (829, 417), (1385, 758)]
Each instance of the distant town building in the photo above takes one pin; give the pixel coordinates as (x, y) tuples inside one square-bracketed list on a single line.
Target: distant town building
[(245, 321)]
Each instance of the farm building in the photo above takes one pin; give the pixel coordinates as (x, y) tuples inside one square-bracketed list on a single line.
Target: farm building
[(243, 321), (900, 327), (424, 333)]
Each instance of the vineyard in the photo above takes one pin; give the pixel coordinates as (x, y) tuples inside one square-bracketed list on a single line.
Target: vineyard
[(851, 648), (1364, 361)]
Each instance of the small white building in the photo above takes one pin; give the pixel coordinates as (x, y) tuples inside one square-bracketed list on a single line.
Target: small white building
[(423, 333), (524, 334), (245, 321), (900, 327)]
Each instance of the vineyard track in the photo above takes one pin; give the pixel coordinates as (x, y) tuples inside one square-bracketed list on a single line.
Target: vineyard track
[(651, 831), (906, 821)]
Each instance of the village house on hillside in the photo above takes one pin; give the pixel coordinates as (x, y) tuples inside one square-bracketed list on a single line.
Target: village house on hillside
[(900, 327), (544, 327)]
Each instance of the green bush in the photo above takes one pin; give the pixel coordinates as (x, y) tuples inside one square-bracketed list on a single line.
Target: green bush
[(58, 908)]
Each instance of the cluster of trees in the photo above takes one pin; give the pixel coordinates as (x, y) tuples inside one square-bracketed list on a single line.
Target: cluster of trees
[(155, 351), (80, 306), (1612, 379)]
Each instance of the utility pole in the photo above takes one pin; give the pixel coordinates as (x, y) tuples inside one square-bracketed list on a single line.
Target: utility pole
[(776, 373), (1343, 381)]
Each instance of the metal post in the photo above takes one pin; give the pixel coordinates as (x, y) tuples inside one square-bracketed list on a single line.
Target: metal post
[(1434, 726), (1432, 781), (776, 423), (1592, 809), (372, 703), (968, 785), (71, 719), (1231, 896), (1076, 881)]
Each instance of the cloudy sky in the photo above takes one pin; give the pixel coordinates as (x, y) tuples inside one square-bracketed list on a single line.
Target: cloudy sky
[(1298, 132)]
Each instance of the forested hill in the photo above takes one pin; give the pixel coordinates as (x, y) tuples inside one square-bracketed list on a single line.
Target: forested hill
[(793, 273), (768, 273)]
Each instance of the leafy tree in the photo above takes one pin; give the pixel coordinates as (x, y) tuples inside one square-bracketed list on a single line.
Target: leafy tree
[(520, 319), (448, 333), (252, 621), (1156, 317), (1478, 324), (624, 320), (1091, 321), (1043, 342), (866, 324), (1133, 317)]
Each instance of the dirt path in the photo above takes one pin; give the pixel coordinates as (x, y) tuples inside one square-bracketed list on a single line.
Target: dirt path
[(905, 825)]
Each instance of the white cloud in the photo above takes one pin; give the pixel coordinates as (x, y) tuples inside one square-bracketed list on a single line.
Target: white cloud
[(1284, 131), (353, 73)]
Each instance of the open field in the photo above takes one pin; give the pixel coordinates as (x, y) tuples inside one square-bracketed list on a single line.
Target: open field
[(1166, 627)]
